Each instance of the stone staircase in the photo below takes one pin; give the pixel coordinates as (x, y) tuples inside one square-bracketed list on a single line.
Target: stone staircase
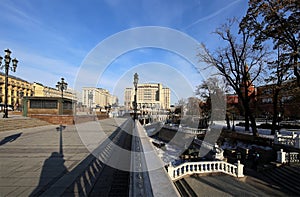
[(20, 122), (286, 177)]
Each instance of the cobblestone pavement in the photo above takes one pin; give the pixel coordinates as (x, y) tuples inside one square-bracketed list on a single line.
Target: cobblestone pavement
[(31, 159)]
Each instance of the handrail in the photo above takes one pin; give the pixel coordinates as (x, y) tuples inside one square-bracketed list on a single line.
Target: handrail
[(139, 179), (148, 176), (190, 168)]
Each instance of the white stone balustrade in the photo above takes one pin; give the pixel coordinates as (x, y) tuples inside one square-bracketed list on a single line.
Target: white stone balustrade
[(285, 157), (186, 129), (292, 157), (192, 130), (190, 168), (288, 140)]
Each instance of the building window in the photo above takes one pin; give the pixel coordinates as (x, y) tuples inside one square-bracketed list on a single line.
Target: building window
[(285, 99), (67, 105), (43, 104), (267, 91), (266, 100)]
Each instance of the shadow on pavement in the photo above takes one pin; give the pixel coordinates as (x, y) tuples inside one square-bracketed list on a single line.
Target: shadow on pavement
[(10, 138), (52, 170), (84, 183), (57, 180), (89, 170)]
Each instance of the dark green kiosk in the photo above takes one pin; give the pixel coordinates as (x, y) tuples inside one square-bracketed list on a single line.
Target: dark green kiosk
[(48, 105)]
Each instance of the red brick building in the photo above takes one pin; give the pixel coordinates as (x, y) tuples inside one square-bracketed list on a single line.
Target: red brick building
[(262, 101)]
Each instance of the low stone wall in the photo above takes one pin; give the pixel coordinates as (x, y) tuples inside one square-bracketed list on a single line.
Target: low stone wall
[(86, 118), (54, 119), (246, 138), (67, 119)]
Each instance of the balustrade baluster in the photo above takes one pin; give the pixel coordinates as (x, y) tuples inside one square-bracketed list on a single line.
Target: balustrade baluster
[(174, 173)]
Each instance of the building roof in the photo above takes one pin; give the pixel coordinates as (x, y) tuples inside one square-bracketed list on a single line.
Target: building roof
[(14, 77)]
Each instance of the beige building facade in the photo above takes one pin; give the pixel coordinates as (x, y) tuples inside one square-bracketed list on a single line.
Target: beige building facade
[(149, 96), (93, 97), (44, 91), (17, 88)]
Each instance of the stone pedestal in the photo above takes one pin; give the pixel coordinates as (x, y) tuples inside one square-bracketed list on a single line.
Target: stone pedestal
[(170, 170), (281, 156)]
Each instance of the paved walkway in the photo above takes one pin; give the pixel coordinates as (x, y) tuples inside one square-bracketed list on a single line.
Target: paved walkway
[(31, 161)]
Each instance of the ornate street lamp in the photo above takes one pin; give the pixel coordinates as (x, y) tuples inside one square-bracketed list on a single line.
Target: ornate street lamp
[(7, 67), (62, 85), (135, 82)]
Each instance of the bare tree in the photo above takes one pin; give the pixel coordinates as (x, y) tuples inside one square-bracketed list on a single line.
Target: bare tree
[(211, 86), (277, 21), (235, 61), (278, 74)]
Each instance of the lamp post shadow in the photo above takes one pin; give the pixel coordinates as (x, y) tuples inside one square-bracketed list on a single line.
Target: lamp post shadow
[(60, 129), (53, 168)]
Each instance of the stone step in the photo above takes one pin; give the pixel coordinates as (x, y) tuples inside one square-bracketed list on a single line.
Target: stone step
[(290, 178), (184, 188), (291, 173), (20, 123), (282, 179), (294, 169)]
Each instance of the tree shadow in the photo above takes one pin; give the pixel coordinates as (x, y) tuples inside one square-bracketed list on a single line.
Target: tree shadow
[(10, 138), (53, 169)]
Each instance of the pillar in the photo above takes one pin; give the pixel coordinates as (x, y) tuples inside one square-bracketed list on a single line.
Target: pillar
[(25, 106), (240, 169), (281, 156), (170, 170)]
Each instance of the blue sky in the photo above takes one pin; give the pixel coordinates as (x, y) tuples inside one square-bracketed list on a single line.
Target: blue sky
[(60, 38)]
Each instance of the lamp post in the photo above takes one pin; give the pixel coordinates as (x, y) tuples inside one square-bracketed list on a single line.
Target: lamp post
[(7, 67), (62, 85), (135, 82), (90, 96)]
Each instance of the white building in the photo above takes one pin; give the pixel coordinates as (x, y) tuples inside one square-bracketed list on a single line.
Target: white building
[(92, 97), (149, 96)]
